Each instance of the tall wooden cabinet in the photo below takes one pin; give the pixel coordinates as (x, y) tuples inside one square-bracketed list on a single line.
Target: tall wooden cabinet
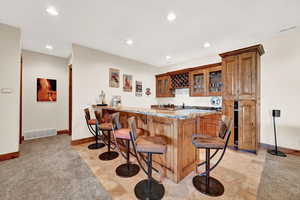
[(241, 95)]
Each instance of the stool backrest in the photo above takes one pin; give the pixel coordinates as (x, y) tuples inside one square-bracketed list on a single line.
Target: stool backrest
[(98, 115), (225, 128), (116, 120), (87, 114), (132, 126)]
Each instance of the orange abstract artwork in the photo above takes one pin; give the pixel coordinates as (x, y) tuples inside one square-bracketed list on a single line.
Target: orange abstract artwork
[(46, 89)]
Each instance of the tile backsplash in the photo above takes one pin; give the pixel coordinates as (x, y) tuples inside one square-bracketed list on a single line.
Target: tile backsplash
[(183, 96)]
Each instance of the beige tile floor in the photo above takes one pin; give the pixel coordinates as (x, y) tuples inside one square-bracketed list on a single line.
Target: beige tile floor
[(238, 171)]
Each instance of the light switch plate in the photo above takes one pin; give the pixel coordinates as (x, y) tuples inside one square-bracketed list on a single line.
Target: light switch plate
[(6, 90)]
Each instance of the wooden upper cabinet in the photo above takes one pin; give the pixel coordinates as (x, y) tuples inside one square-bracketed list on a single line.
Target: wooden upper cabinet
[(163, 86), (247, 78), (198, 82), (247, 125), (230, 76)]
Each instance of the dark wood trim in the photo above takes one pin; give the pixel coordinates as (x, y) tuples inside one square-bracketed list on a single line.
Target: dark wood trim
[(60, 132), (21, 102), (256, 48), (9, 156), (190, 69), (70, 98), (82, 141), (283, 149)]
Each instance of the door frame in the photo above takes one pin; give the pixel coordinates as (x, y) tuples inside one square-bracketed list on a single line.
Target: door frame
[(21, 137), (70, 97)]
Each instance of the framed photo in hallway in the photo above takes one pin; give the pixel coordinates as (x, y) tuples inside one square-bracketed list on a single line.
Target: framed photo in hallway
[(127, 83), (114, 78), (46, 89)]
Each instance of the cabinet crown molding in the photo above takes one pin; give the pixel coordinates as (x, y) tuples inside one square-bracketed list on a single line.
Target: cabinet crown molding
[(256, 48)]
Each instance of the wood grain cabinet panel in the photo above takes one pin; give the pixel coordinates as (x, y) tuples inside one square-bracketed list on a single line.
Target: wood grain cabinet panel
[(228, 110), (247, 78), (230, 77), (163, 86), (247, 125)]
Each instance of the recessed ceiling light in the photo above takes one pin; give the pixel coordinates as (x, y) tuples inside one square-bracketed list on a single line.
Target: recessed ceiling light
[(171, 17), (129, 42), (168, 58), (52, 11), (49, 47), (206, 45)]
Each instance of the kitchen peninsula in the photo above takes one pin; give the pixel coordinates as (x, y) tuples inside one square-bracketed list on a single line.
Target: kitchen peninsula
[(177, 126)]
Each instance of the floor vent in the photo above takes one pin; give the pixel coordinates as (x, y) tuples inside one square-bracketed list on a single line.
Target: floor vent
[(33, 134)]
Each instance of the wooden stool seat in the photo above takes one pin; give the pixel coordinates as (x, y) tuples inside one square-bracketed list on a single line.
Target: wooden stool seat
[(208, 142), (92, 122), (124, 133), (153, 144), (106, 126)]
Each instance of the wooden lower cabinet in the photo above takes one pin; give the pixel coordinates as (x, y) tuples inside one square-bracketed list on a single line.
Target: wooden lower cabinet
[(247, 125)]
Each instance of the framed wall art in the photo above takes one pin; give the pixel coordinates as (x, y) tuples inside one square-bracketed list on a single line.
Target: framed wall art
[(46, 89), (127, 83), (114, 78)]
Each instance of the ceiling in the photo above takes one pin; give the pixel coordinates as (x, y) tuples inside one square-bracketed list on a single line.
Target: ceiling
[(107, 24)]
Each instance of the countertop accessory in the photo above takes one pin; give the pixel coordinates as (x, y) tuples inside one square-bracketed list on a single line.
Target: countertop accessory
[(215, 101)]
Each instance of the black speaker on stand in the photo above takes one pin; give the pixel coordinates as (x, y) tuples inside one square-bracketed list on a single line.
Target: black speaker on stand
[(275, 152)]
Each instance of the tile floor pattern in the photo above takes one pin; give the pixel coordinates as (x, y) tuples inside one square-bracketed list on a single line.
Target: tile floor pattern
[(238, 171)]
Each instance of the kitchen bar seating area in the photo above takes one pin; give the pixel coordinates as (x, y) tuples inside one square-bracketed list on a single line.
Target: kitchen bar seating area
[(170, 100)]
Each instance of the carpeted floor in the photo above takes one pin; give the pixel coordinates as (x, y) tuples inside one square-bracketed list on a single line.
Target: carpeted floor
[(49, 169), (280, 179)]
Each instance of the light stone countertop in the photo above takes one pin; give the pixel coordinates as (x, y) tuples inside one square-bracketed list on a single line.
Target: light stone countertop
[(175, 114)]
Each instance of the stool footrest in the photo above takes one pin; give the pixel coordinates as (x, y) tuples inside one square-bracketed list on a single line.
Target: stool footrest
[(142, 191), (96, 146), (127, 170), (214, 188)]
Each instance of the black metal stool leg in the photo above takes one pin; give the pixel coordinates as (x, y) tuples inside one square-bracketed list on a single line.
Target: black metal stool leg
[(109, 155), (206, 184), (128, 169), (96, 145), (149, 189)]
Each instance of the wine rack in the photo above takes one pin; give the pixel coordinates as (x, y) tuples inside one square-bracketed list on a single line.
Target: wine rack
[(180, 80)]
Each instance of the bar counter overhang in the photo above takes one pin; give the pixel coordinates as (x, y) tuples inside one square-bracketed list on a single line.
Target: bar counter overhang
[(177, 126)]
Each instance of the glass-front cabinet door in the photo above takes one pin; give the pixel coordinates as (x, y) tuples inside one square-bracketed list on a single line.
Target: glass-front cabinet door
[(215, 81), (198, 81)]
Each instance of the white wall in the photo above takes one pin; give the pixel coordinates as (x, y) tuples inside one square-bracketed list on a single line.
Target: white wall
[(44, 115), (91, 75), (280, 72), (10, 54), (183, 95)]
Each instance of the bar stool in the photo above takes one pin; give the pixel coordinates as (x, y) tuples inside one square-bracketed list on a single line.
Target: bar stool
[(107, 127), (203, 182), (147, 188), (127, 169), (90, 123)]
